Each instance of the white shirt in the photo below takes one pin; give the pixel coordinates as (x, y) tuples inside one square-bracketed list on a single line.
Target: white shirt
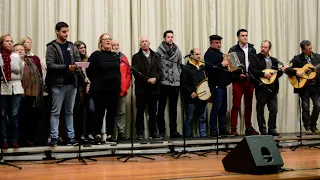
[(147, 54), (245, 49)]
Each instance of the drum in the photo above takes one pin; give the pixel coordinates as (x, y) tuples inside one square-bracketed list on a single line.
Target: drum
[(203, 90), (233, 60)]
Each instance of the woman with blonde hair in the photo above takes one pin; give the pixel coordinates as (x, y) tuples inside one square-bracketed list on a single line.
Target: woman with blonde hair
[(11, 89), (104, 74)]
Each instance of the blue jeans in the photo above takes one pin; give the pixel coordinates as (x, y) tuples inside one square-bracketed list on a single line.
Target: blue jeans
[(14, 101), (199, 108), (219, 109), (62, 94)]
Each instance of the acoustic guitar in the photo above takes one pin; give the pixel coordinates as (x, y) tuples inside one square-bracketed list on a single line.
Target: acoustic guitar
[(272, 78), (308, 72)]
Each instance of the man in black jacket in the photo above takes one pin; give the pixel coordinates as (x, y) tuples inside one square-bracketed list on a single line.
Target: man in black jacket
[(61, 56), (219, 78), (147, 90), (261, 62), (311, 90), (192, 74), (241, 84)]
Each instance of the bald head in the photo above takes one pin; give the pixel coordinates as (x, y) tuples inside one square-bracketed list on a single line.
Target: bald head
[(195, 54), (144, 43), (115, 45)]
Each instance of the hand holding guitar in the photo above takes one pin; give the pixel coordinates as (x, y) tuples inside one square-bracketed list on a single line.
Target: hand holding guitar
[(194, 95)]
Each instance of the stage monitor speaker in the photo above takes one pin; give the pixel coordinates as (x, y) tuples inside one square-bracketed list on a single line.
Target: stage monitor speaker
[(254, 155)]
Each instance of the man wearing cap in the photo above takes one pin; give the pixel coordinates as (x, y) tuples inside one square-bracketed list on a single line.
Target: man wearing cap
[(218, 79)]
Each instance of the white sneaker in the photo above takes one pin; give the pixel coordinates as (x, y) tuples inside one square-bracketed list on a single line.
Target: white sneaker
[(104, 138)]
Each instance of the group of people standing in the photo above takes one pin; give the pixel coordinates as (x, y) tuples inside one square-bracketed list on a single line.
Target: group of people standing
[(160, 75)]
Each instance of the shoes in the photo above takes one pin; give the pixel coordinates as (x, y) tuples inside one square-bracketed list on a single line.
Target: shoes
[(98, 139), (53, 142), (273, 132), (156, 136), (315, 131), (72, 142), (251, 131), (15, 144), (234, 131), (5, 145), (225, 133), (263, 132), (29, 143), (213, 134), (111, 139), (89, 137), (139, 137), (122, 136), (161, 134), (309, 132), (104, 138), (175, 135)]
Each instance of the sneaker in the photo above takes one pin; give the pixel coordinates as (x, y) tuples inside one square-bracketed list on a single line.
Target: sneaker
[(309, 132), (251, 131), (122, 136), (83, 138), (139, 137), (29, 143), (161, 134), (89, 137), (15, 144), (175, 135), (53, 142), (104, 138), (98, 139), (213, 134), (5, 145), (273, 132), (72, 142), (315, 131)]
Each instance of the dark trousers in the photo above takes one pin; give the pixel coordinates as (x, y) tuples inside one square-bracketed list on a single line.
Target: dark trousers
[(29, 116), (141, 103), (219, 109), (103, 101), (310, 121), (173, 93), (263, 97), (238, 89)]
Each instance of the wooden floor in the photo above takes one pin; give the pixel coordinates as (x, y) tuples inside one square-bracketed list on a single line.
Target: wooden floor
[(304, 161)]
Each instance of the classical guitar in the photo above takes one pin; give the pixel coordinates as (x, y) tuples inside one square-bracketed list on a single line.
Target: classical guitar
[(273, 73), (308, 72)]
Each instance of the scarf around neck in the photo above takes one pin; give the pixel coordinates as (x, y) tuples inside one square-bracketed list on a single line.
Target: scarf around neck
[(6, 63)]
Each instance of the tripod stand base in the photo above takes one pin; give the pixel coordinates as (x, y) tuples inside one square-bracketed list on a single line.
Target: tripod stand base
[(132, 156), (80, 158), (3, 162), (179, 154)]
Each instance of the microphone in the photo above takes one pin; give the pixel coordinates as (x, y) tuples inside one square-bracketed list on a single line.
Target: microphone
[(188, 55), (70, 52)]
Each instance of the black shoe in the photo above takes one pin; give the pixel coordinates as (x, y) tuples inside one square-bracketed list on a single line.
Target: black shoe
[(161, 134), (98, 139), (72, 142), (213, 134), (175, 135), (139, 137), (273, 132), (111, 139), (122, 136), (53, 142), (89, 138), (156, 136), (263, 132), (226, 133)]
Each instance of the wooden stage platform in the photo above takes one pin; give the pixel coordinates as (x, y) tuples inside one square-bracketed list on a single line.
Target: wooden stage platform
[(303, 163)]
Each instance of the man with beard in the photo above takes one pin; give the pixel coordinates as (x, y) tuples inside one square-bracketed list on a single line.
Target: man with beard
[(169, 84), (263, 94), (61, 56)]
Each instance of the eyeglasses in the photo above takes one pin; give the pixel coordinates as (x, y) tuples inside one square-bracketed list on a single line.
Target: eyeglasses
[(82, 48), (115, 44), (106, 39)]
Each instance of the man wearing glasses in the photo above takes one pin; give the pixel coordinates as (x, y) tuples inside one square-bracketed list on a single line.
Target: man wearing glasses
[(312, 88)]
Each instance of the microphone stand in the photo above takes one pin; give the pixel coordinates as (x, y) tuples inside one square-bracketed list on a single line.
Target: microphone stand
[(2, 161), (131, 155)]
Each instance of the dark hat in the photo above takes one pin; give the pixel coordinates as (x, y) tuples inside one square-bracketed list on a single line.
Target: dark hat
[(215, 37)]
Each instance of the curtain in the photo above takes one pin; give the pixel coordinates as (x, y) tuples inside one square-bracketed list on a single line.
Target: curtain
[(284, 22)]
